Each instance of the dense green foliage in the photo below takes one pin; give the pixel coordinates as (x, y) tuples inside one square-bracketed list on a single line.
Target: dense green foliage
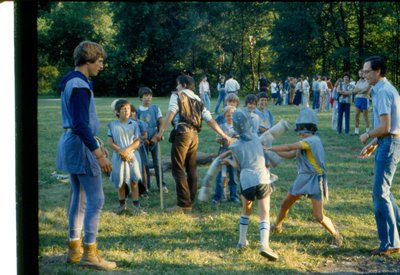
[(147, 43)]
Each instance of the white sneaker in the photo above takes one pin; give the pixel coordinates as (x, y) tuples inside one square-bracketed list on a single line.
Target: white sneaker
[(268, 253), (138, 211), (242, 245)]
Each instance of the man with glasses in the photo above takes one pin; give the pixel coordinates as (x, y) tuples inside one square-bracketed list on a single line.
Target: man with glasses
[(386, 142)]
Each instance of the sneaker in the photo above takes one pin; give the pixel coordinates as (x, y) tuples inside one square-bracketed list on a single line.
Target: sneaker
[(145, 195), (337, 240), (120, 209), (236, 200), (276, 229), (382, 252), (215, 202), (177, 209), (269, 254), (165, 189), (242, 245), (138, 211)]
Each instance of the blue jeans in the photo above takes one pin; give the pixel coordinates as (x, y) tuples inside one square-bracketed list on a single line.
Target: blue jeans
[(343, 108), (153, 149), (233, 183), (206, 100), (315, 104), (221, 98), (87, 200), (386, 211)]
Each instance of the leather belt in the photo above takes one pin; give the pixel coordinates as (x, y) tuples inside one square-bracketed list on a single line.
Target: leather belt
[(391, 135)]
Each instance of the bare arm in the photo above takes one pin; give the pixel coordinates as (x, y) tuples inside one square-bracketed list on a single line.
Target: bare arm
[(214, 125), (286, 150), (168, 118), (383, 129)]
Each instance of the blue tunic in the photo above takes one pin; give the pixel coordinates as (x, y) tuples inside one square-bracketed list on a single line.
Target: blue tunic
[(149, 118), (123, 135), (74, 149), (308, 181)]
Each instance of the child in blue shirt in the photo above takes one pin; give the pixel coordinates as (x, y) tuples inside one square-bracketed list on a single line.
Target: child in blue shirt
[(266, 117), (143, 188), (311, 180), (247, 155), (220, 193), (151, 116), (231, 100), (123, 138)]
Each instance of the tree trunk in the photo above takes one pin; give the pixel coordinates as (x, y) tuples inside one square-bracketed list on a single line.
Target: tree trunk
[(361, 31)]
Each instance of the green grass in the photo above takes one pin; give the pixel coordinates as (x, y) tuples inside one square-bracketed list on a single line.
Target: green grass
[(178, 244)]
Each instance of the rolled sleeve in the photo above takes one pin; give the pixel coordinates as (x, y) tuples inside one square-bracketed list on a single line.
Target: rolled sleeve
[(173, 103), (206, 115)]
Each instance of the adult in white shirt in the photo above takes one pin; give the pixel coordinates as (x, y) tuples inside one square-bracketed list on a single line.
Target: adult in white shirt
[(306, 92), (204, 91), (323, 86), (231, 85), (274, 92)]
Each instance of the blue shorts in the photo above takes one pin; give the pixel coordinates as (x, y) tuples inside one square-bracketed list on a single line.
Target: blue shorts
[(361, 103)]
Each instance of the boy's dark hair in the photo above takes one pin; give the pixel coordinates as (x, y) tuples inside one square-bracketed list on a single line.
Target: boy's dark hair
[(306, 126), (186, 81), (120, 103), (262, 95), (346, 74), (377, 62), (133, 109), (144, 91), (250, 98), (88, 51)]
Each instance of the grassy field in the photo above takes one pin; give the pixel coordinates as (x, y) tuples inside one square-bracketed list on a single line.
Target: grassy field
[(205, 244)]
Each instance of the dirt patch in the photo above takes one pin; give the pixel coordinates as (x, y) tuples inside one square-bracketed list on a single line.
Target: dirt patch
[(360, 265)]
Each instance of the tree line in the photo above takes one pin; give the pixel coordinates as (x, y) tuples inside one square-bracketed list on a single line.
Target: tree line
[(148, 43)]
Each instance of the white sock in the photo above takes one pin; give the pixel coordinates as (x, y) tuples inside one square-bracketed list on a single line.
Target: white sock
[(264, 233), (356, 130), (244, 225)]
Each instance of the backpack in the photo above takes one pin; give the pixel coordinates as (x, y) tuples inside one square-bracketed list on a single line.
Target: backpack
[(190, 111)]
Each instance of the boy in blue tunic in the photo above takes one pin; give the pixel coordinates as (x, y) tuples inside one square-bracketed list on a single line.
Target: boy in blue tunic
[(123, 138), (151, 115), (255, 180), (311, 180), (266, 117)]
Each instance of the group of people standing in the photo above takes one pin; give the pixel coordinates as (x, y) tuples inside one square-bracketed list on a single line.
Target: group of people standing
[(231, 85), (82, 155)]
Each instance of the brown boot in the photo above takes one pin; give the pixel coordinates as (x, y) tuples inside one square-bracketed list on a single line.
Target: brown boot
[(91, 258), (75, 251)]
